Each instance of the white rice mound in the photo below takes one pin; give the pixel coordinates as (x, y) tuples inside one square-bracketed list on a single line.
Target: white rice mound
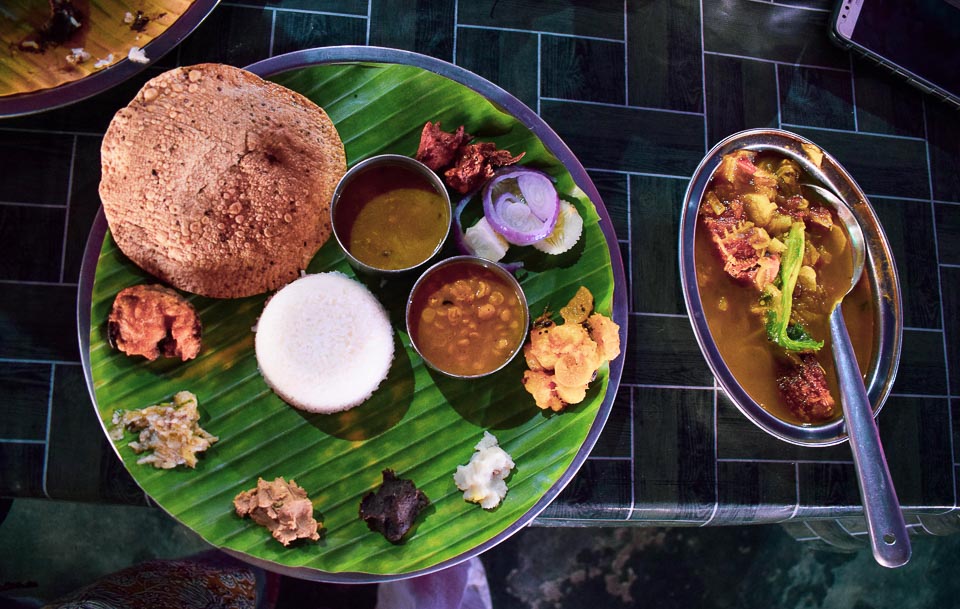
[(324, 343)]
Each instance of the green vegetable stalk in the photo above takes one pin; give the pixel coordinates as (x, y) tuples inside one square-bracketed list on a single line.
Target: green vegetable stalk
[(779, 330)]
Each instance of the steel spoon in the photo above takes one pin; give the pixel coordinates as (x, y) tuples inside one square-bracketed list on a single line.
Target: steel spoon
[(888, 533)]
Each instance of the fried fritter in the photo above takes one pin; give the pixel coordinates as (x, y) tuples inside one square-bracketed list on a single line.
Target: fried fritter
[(564, 359)]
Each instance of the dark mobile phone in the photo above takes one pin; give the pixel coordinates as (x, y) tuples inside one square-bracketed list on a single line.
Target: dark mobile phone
[(918, 40)]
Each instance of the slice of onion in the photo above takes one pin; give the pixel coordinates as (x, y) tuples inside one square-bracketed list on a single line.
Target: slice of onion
[(521, 204)]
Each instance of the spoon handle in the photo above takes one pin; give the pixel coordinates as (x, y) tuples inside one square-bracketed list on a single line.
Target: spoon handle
[(888, 533)]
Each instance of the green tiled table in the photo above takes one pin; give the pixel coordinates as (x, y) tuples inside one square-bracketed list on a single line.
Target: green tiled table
[(639, 91)]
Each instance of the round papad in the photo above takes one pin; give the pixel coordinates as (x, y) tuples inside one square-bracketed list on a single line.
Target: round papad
[(219, 182)]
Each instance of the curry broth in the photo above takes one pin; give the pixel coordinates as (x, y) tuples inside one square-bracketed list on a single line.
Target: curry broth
[(740, 333), (393, 218)]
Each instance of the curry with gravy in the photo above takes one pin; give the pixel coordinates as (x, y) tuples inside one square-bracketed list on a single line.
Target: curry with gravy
[(771, 265)]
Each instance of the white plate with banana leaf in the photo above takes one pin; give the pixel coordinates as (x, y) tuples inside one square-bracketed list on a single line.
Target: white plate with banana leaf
[(418, 423), (39, 72)]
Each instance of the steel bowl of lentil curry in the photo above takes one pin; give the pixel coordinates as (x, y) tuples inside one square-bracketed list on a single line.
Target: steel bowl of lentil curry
[(467, 317), (761, 265), (391, 215)]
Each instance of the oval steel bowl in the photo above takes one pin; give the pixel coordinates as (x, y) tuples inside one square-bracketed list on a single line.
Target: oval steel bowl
[(880, 269)]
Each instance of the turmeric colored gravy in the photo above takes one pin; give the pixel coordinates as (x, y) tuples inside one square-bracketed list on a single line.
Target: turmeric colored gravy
[(729, 307), (393, 218)]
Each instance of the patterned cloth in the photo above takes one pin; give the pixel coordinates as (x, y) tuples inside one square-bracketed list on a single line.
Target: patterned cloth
[(209, 581)]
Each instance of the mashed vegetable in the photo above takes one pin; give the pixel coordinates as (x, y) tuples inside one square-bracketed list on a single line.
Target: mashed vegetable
[(169, 430)]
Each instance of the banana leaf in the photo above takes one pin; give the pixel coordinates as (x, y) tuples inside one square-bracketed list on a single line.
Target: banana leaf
[(418, 423), (103, 34)]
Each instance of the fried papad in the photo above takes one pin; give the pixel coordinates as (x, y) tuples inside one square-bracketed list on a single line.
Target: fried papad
[(219, 182)]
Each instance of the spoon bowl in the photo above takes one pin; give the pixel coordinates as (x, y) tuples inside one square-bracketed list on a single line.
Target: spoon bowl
[(888, 533)]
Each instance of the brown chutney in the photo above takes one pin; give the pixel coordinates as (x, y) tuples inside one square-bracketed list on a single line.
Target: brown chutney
[(466, 319)]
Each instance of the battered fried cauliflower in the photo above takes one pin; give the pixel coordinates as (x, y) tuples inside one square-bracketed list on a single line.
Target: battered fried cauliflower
[(564, 359)]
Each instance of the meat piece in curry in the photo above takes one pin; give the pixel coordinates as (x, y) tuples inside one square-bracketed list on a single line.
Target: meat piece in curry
[(771, 265)]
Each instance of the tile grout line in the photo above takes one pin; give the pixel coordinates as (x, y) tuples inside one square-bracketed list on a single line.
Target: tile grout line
[(796, 481), (703, 83), (468, 26), (300, 11), (943, 319), (716, 462), (369, 19), (681, 387), (790, 6), (273, 30), (49, 131), (21, 441), (892, 136), (894, 198), (853, 93), (539, 70), (776, 86), (46, 445), (36, 205), (774, 61), (785, 461), (456, 21), (633, 450), (51, 284), (630, 303), (667, 315), (66, 215), (621, 106), (16, 360), (946, 396), (626, 57), (637, 173)]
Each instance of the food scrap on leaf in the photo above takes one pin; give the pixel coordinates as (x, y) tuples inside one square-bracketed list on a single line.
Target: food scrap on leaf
[(280, 506), (392, 509), (170, 430), (563, 359)]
